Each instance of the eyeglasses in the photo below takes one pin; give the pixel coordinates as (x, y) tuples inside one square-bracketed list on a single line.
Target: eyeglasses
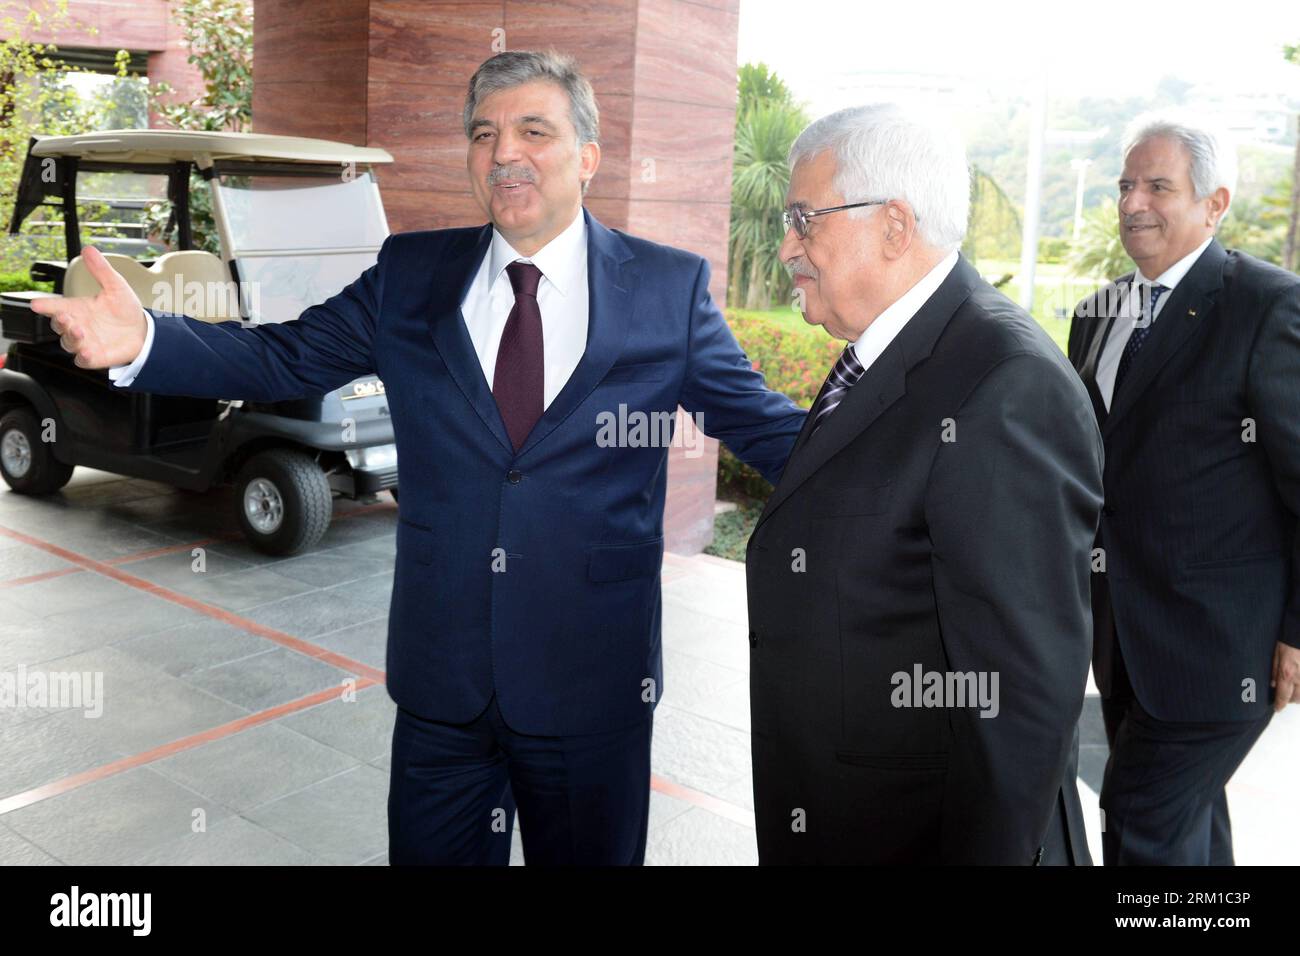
[(797, 216)]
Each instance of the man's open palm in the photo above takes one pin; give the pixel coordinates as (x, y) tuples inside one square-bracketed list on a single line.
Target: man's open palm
[(103, 330)]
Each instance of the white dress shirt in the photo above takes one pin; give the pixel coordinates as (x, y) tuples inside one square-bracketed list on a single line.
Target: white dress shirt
[(1122, 327), (124, 375), (562, 299), (890, 322)]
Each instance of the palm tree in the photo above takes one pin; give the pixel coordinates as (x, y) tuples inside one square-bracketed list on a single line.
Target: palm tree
[(760, 178), (1099, 252), (756, 84), (994, 218)]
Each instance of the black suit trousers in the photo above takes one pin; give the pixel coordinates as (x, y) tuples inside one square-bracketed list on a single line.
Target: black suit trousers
[(1162, 796)]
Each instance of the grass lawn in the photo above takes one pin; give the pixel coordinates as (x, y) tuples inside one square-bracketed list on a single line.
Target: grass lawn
[(1056, 293), (784, 316)]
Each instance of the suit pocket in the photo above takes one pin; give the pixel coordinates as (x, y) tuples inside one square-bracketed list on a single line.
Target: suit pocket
[(847, 502), (641, 372), (414, 542), (1234, 562), (1196, 394), (625, 562), (879, 761)]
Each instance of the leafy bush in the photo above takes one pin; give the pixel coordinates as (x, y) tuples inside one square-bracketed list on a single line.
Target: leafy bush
[(21, 282), (1053, 249), (794, 361), (731, 531)]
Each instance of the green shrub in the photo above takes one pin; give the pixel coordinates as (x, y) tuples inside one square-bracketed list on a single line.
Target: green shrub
[(794, 361), (731, 531), (21, 282), (1054, 249)]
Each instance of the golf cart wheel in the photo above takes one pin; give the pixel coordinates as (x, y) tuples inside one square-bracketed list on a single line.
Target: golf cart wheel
[(284, 501), (27, 463)]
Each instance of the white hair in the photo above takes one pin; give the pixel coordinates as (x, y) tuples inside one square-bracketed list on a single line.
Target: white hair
[(885, 152), (1214, 156)]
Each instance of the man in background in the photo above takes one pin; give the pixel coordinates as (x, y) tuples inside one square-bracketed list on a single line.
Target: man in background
[(1192, 363)]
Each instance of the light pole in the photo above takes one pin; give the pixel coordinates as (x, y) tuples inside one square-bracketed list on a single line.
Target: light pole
[(1033, 192), (1080, 166)]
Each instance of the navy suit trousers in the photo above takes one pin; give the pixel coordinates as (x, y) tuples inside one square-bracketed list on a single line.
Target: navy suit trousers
[(455, 788)]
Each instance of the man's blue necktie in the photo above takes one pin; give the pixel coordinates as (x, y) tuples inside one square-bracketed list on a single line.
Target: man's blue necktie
[(1141, 330)]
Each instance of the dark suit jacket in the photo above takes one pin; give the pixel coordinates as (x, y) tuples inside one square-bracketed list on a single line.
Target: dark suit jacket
[(569, 634), (965, 556), (1202, 570)]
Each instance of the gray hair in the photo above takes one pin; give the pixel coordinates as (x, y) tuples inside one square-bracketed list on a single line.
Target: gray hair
[(516, 67), (1214, 157), (885, 152)]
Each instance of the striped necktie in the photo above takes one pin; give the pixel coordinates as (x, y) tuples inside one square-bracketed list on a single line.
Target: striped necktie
[(843, 377), (1151, 295)]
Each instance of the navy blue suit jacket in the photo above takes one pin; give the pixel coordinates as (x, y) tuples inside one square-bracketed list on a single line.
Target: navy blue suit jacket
[(568, 636)]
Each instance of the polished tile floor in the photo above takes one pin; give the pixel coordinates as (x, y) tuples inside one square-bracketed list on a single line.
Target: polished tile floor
[(244, 718)]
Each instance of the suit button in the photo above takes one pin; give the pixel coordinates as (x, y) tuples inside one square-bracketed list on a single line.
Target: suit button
[(753, 639), (515, 476), (1108, 511)]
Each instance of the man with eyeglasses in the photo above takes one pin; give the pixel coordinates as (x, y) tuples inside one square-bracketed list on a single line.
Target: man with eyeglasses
[(918, 581)]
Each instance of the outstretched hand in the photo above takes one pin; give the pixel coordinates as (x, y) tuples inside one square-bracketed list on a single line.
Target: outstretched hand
[(102, 330)]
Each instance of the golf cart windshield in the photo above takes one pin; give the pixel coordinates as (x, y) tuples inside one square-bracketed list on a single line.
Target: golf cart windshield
[(296, 237)]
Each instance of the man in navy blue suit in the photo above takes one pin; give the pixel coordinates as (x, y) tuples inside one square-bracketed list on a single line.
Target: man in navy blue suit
[(503, 349)]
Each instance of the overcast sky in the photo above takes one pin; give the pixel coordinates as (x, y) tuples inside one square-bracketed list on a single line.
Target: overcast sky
[(1102, 47)]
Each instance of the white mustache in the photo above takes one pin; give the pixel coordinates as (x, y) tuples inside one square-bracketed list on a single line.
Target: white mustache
[(506, 173), (798, 267)]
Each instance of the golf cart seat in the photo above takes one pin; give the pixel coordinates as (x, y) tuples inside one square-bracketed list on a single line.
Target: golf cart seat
[(193, 283)]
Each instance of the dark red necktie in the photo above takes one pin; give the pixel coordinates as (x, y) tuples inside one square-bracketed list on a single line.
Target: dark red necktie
[(518, 382)]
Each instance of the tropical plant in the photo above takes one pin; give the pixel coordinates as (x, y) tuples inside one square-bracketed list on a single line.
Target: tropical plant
[(994, 227), (767, 121), (757, 85), (1258, 226), (1099, 253), (760, 178)]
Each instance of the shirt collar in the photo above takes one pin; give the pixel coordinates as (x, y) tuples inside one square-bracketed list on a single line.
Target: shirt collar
[(1175, 273), (886, 325), (561, 260)]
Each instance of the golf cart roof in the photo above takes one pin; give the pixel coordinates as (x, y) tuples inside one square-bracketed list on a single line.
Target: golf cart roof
[(169, 146), (169, 152)]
